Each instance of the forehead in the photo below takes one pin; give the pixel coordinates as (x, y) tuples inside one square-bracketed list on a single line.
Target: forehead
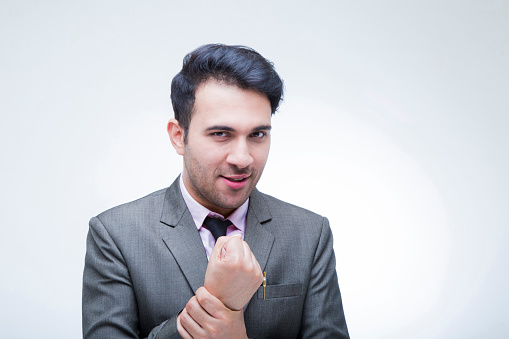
[(217, 102)]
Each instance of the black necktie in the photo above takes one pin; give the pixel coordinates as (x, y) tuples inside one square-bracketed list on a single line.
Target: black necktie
[(217, 226)]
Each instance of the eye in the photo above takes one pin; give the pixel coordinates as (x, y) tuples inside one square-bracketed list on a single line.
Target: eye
[(219, 134), (258, 134)]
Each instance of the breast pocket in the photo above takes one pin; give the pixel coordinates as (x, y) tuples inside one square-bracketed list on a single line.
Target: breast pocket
[(279, 315), (280, 291)]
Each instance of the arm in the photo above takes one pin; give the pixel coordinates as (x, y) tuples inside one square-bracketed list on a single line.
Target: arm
[(109, 304), (323, 315)]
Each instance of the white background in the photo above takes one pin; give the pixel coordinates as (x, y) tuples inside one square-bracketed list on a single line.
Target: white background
[(394, 126)]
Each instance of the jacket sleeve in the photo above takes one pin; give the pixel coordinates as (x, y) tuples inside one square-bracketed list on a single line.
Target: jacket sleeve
[(109, 308), (323, 309)]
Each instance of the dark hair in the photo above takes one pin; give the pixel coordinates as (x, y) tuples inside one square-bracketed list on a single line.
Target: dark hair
[(235, 65)]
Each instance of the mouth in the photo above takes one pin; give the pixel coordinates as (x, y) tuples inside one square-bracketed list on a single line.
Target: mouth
[(236, 181), (236, 178)]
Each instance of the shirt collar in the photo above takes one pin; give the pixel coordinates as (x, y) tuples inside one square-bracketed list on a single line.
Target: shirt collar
[(199, 212)]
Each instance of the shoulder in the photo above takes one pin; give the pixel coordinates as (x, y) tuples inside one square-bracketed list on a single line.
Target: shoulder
[(139, 206), (132, 219), (146, 214), (285, 209), (286, 216), (133, 225)]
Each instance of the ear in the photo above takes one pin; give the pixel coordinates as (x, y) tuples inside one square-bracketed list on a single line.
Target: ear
[(176, 133)]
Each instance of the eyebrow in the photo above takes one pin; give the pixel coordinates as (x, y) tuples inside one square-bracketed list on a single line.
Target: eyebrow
[(228, 128)]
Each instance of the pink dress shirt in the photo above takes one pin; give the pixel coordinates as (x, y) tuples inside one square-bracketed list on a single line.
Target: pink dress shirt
[(199, 213)]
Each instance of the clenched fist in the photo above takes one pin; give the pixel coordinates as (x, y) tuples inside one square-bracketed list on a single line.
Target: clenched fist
[(233, 273)]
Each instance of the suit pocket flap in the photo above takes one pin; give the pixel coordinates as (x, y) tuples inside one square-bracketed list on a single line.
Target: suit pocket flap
[(280, 291)]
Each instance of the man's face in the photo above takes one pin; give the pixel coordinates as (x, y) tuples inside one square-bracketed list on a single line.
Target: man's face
[(227, 145)]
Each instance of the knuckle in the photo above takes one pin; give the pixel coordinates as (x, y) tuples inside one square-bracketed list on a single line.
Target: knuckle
[(192, 304), (210, 329), (200, 293), (236, 262), (214, 331), (203, 298), (246, 245), (184, 319)]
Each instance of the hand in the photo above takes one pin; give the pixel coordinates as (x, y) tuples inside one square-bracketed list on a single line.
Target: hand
[(205, 316), (233, 273)]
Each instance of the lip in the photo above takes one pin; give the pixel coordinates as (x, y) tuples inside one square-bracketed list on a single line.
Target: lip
[(236, 185)]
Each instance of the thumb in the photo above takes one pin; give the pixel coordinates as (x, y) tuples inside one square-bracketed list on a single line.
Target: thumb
[(218, 249), (225, 249)]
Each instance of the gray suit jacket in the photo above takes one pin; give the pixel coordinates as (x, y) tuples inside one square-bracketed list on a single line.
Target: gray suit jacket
[(145, 260)]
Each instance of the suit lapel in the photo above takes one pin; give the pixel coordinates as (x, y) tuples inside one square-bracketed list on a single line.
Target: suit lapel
[(259, 239), (182, 237)]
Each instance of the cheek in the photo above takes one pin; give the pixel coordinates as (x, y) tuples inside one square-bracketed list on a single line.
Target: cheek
[(260, 155), (211, 158)]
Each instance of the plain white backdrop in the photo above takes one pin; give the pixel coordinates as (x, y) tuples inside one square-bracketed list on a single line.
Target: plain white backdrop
[(394, 126)]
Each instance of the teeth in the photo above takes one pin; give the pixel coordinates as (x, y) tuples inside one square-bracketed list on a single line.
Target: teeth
[(237, 180)]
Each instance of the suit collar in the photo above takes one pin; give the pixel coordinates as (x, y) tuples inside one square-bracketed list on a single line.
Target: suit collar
[(259, 207), (174, 206)]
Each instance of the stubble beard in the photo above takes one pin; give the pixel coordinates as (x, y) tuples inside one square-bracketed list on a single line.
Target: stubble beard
[(205, 187)]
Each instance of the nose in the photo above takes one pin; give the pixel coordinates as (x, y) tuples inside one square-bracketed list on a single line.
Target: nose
[(239, 155)]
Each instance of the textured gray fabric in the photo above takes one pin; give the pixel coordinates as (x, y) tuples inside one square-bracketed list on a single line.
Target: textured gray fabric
[(145, 260)]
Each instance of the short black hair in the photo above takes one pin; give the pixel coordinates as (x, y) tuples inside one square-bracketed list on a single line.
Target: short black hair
[(240, 66)]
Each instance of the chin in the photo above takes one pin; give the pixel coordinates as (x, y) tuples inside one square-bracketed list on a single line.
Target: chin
[(233, 204)]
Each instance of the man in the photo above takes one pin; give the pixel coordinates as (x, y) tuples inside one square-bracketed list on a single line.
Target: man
[(271, 266)]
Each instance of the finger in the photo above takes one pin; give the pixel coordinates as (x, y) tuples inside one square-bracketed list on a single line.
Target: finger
[(258, 271), (189, 325), (246, 250), (212, 305), (218, 248), (256, 264), (234, 248), (248, 255), (224, 252), (182, 331), (197, 312)]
